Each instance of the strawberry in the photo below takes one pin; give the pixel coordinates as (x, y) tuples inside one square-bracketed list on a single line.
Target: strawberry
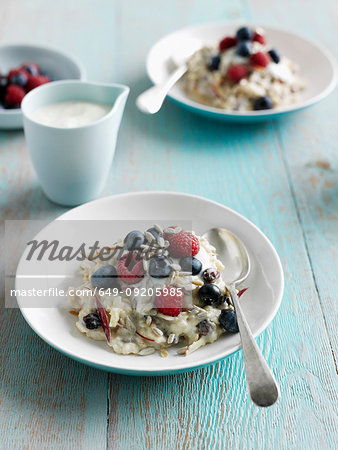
[(14, 95), (130, 268), (169, 301), (35, 81), (226, 43), (184, 244), (260, 59), (236, 72), (259, 38)]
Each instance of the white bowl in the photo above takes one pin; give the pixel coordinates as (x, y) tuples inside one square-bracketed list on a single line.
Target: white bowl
[(56, 64), (318, 68), (260, 303)]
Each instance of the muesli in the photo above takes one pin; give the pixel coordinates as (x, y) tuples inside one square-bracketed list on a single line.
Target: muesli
[(162, 288)]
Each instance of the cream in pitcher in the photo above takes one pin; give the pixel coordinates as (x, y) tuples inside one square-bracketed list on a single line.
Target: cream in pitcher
[(70, 114)]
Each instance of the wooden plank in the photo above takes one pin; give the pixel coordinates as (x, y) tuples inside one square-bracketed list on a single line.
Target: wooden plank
[(243, 167)]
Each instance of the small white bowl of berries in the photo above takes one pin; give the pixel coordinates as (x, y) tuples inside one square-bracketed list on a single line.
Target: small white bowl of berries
[(26, 67)]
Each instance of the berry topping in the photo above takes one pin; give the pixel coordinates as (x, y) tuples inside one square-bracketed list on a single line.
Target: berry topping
[(237, 72), (134, 240), (213, 63), (191, 264), (244, 34), (159, 267), (169, 301), (170, 232), (19, 78), (226, 43), (243, 48), (92, 321), (259, 59), (205, 327), (228, 321), (13, 72), (36, 81), (262, 103), (3, 86), (130, 268), (210, 294), (274, 55), (14, 95), (31, 68), (105, 277), (210, 275), (259, 38), (154, 232), (184, 244)]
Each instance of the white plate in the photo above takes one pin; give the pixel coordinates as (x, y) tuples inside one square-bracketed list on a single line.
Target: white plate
[(260, 303), (318, 67)]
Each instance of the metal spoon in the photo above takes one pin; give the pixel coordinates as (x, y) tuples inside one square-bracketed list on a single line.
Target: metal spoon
[(151, 100), (261, 382)]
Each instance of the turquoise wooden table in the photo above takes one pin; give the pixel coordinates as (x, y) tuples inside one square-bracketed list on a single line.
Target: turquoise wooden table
[(283, 178)]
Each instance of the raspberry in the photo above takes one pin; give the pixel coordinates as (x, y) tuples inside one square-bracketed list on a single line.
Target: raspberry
[(237, 72), (15, 72), (260, 59), (31, 68), (14, 95), (259, 38), (184, 244), (169, 236), (169, 301), (130, 268), (35, 81), (226, 43)]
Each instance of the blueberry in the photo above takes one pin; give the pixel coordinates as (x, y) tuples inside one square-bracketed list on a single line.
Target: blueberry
[(92, 321), (19, 78), (154, 232), (3, 86), (30, 68), (159, 267), (244, 34), (228, 321), (191, 264), (205, 327), (105, 277), (274, 55), (134, 240), (243, 48), (263, 103), (213, 63), (210, 294)]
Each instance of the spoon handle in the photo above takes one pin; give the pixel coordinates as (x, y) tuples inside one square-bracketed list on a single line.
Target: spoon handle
[(262, 385), (151, 100)]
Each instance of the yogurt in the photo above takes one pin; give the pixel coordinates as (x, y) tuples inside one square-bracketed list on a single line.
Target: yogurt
[(71, 114)]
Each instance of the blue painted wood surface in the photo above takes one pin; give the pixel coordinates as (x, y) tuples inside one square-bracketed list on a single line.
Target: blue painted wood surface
[(280, 175)]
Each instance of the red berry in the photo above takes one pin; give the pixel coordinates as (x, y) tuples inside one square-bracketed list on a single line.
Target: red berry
[(35, 81), (237, 72), (169, 301), (169, 236), (14, 95), (15, 72), (130, 268), (210, 275), (260, 59), (259, 38), (184, 244), (31, 67), (226, 43)]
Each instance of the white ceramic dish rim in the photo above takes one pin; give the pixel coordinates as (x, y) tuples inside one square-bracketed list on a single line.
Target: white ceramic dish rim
[(186, 364), (295, 107), (80, 66)]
